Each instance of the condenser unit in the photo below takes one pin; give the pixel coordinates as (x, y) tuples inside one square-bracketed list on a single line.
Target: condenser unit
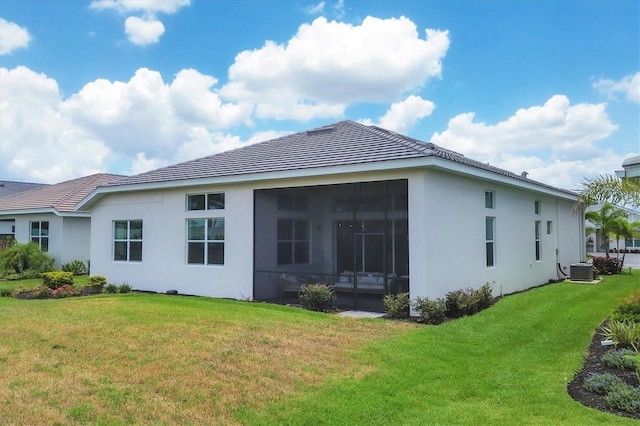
[(581, 272)]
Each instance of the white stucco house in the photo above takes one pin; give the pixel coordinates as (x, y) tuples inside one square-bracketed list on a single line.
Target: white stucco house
[(359, 207), (47, 216)]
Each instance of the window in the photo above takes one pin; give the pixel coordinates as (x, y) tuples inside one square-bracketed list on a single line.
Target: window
[(549, 227), (205, 241), (40, 234), (536, 207), (489, 199), (537, 235), (289, 202), (490, 226), (205, 201), (127, 240), (293, 241)]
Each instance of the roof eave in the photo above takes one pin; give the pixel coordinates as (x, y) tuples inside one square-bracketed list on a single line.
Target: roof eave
[(17, 212)]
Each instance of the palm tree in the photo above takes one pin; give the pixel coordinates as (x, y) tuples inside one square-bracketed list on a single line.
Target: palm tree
[(611, 189), (605, 219), (621, 228)]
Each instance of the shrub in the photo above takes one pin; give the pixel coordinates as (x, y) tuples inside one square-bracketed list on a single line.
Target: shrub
[(124, 288), (5, 292), (468, 301), (430, 311), (624, 397), (24, 257), (628, 309), (624, 333), (317, 297), (64, 291), (606, 265), (111, 288), (619, 359), (57, 279), (76, 267), (41, 292), (601, 383), (397, 305), (97, 280)]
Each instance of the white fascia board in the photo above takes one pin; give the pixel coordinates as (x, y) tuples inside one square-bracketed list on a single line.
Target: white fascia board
[(418, 162), (20, 212)]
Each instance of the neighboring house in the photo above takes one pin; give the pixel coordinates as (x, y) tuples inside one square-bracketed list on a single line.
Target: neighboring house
[(630, 168), (46, 215), (365, 209)]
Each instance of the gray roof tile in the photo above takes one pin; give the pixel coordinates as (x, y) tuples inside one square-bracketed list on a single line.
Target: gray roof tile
[(62, 196), (8, 187)]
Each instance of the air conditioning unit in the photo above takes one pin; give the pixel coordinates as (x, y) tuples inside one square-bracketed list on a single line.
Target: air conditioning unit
[(581, 272)]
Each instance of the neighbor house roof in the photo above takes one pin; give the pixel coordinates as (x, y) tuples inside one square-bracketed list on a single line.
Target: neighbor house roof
[(58, 198), (345, 143), (8, 187)]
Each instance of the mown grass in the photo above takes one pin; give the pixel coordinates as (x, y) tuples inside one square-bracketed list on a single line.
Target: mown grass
[(153, 359), (78, 281)]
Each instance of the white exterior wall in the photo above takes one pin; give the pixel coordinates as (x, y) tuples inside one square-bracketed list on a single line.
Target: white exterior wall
[(76, 238), (451, 253), (164, 248), (446, 236)]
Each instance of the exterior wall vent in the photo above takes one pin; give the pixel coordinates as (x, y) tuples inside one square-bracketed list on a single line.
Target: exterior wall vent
[(581, 272)]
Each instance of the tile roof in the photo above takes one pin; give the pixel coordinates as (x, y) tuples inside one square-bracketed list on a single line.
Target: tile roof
[(61, 197), (342, 143), (8, 187)]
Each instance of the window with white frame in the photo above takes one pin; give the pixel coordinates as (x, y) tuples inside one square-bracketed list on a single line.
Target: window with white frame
[(537, 206), (549, 227), (213, 201), (127, 240), (40, 234), (489, 199), (537, 240), (490, 243), (294, 241), (205, 241)]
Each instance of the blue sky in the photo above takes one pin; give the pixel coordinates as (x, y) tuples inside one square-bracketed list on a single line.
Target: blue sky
[(125, 86)]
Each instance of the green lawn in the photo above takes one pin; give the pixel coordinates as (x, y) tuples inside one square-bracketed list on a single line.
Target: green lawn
[(154, 359)]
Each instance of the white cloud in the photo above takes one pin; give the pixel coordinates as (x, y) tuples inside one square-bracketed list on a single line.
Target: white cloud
[(38, 142), (138, 124), (143, 31), (145, 6), (403, 115), (565, 134), (629, 86), (328, 65), (12, 36), (315, 9), (148, 29)]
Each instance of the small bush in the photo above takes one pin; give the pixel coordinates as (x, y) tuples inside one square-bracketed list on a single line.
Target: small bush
[(430, 311), (619, 359), (111, 288), (624, 333), (64, 291), (628, 309), (397, 305), (41, 292), (601, 383), (317, 297), (606, 265), (97, 280), (5, 292), (624, 397), (124, 288), (57, 279), (76, 267), (468, 301)]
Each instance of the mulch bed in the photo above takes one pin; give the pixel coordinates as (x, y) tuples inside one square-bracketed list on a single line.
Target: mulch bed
[(592, 364)]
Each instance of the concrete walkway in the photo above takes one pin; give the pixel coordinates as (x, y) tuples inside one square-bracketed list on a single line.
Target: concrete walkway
[(361, 314)]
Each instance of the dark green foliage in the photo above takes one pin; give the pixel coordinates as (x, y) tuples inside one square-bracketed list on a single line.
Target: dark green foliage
[(6, 292), (628, 309), (57, 279), (601, 383), (397, 305), (97, 280), (624, 397), (623, 333), (468, 301), (430, 311), (77, 267), (124, 288), (317, 297), (619, 359), (25, 257), (111, 288)]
